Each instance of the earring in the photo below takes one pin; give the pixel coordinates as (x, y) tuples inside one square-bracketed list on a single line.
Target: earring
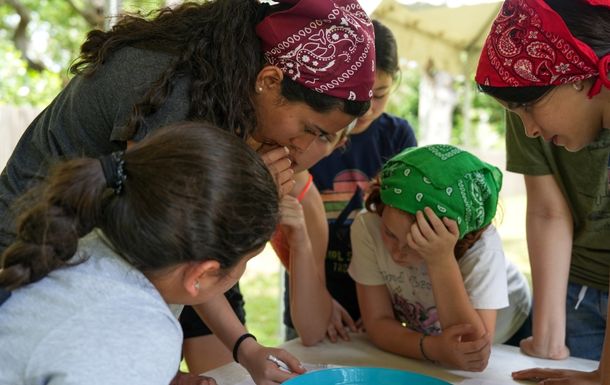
[(577, 86), (197, 285), (259, 90)]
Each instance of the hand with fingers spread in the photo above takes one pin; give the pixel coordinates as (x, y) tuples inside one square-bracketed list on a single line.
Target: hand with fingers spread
[(279, 164), (341, 323), (451, 351), (433, 238), (558, 376)]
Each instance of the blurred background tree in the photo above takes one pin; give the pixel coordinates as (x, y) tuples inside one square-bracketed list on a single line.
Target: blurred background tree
[(486, 115), (40, 38)]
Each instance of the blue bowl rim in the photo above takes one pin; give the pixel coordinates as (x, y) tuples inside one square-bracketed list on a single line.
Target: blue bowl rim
[(319, 372)]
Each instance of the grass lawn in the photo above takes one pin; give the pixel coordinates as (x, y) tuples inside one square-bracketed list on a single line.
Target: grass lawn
[(263, 294), (262, 291)]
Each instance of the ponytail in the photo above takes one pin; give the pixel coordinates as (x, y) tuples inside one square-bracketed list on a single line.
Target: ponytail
[(186, 192), (66, 208)]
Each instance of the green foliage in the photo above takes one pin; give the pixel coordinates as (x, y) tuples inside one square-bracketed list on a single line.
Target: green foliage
[(404, 100), (484, 110), (142, 6), (21, 86), (56, 32)]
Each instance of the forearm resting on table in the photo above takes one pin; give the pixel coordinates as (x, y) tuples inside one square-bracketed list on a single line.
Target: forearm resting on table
[(452, 302), (389, 334), (381, 326)]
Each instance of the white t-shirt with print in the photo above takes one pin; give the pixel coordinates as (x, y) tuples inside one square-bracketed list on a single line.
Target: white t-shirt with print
[(491, 281)]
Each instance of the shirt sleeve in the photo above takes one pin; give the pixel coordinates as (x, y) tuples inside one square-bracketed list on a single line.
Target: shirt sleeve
[(483, 269), (523, 155), (363, 267), (410, 139), (404, 136)]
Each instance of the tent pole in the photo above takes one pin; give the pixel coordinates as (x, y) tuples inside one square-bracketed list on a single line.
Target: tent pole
[(112, 9)]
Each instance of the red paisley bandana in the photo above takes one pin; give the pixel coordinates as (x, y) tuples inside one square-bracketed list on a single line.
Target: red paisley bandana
[(325, 45), (530, 45)]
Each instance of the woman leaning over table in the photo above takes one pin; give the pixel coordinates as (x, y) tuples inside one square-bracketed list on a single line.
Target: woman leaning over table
[(282, 75)]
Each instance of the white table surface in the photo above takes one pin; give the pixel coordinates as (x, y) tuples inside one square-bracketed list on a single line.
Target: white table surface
[(361, 352)]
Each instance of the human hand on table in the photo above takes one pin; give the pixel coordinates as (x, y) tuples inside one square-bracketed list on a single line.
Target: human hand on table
[(532, 347), (449, 350), (341, 323), (255, 359), (558, 376)]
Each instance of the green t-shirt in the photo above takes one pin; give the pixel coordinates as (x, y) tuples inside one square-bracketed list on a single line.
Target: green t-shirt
[(583, 178)]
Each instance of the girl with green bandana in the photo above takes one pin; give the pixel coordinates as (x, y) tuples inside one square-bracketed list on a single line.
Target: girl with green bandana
[(432, 280)]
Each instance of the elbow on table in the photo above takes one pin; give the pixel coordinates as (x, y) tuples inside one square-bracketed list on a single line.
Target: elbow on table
[(311, 339), (310, 332)]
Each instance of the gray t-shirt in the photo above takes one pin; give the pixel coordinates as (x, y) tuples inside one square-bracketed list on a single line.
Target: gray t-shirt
[(88, 118), (99, 322)]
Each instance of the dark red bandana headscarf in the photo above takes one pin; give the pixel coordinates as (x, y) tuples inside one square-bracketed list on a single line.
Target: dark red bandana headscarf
[(324, 45), (530, 45)]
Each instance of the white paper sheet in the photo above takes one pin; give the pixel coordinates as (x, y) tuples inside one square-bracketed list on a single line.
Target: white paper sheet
[(308, 367)]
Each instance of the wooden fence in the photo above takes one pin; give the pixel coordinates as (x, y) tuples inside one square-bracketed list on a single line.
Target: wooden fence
[(13, 122)]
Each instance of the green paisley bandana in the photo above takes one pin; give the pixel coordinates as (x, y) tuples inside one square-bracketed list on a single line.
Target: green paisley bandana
[(452, 182)]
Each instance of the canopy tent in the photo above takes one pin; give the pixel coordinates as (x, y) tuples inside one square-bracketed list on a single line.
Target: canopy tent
[(448, 38), (445, 41)]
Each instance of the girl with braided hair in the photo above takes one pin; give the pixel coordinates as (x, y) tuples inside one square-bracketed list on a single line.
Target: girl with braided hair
[(105, 243)]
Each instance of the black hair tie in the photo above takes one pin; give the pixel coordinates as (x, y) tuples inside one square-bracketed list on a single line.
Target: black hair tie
[(112, 167)]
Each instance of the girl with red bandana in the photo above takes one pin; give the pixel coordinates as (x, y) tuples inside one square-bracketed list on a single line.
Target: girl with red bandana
[(547, 63), (281, 75)]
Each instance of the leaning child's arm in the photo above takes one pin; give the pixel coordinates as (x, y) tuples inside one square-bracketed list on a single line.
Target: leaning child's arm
[(435, 240), (381, 326), (310, 302), (222, 321)]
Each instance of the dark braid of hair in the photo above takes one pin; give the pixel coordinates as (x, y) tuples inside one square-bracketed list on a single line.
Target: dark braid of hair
[(215, 45), (192, 192), (374, 204), (48, 232)]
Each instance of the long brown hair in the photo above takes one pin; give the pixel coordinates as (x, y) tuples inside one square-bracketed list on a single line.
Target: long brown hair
[(216, 46), (374, 204), (192, 192)]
